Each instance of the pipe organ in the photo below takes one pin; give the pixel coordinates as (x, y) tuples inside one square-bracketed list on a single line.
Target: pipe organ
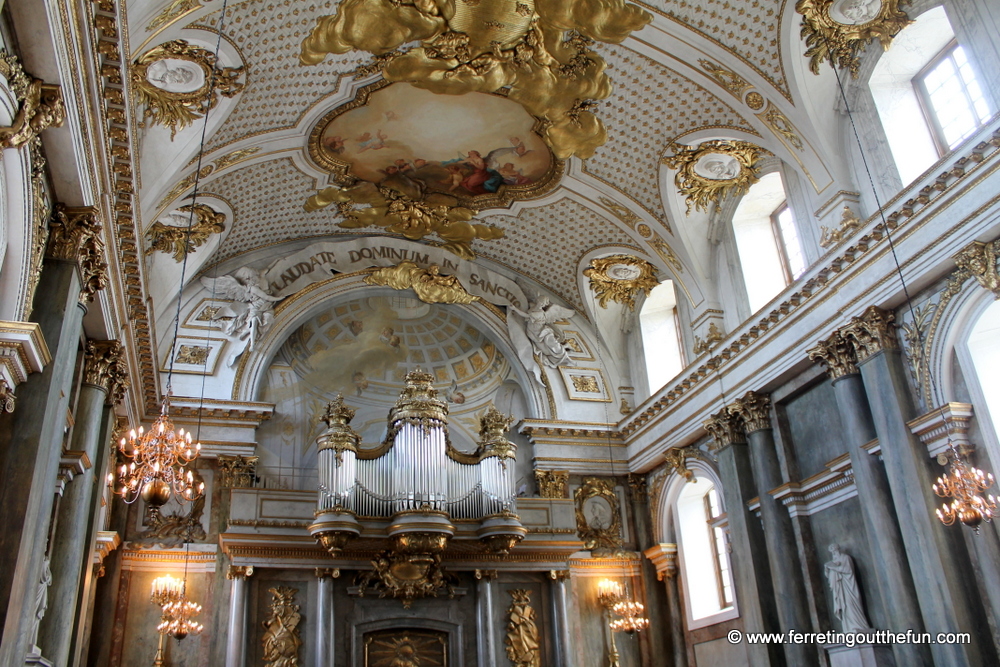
[(415, 479)]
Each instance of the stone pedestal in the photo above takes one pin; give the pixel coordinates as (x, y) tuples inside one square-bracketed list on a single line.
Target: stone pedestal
[(863, 655)]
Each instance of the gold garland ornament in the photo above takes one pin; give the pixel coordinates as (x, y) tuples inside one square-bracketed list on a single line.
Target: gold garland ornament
[(173, 81), (175, 238), (839, 30), (428, 284), (714, 169), (367, 204), (620, 278), (537, 50)]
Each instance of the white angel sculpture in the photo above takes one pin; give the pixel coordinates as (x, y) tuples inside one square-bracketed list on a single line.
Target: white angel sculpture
[(535, 331), (250, 320)]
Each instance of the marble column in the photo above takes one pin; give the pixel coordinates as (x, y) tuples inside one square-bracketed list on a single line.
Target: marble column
[(324, 616), (69, 553), (486, 648), (236, 632), (937, 556), (560, 616), (664, 558), (30, 448), (652, 644), (786, 571), (882, 531), (755, 593)]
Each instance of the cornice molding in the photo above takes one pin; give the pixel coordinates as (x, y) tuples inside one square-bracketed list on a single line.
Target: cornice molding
[(22, 351)]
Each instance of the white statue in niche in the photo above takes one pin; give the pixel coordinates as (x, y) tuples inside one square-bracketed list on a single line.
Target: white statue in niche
[(257, 310), (41, 602), (535, 330), (846, 595)]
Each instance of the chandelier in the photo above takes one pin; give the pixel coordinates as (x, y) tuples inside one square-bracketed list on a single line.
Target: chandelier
[(965, 485), (155, 463), (178, 612), (615, 601)]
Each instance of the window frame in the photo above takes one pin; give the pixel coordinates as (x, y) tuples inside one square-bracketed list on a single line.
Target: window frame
[(924, 98), (779, 241)]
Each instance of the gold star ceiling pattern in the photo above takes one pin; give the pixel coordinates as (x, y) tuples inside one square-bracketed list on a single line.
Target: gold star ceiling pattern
[(749, 29), (651, 106)]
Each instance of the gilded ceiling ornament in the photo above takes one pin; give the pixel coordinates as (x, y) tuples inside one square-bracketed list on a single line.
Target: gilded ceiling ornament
[(849, 223), (41, 104), (537, 51), (676, 458), (552, 483), (406, 577), (185, 184), (714, 169), (621, 212), (175, 238), (175, 10), (75, 234), (598, 518), (754, 100), (281, 631), (979, 260), (428, 284), (523, 644), (666, 253), (174, 79), (620, 278), (781, 126), (384, 207), (839, 30), (41, 208), (728, 79)]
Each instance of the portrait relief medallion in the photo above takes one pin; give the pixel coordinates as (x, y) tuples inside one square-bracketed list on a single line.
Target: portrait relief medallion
[(717, 167), (174, 75), (855, 12), (624, 272)]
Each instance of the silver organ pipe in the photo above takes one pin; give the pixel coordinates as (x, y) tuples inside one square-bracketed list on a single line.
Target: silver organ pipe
[(416, 469)]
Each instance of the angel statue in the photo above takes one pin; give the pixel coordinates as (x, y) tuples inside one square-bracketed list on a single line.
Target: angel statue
[(539, 334), (244, 287)]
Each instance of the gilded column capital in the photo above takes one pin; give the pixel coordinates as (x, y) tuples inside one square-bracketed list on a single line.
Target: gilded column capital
[(488, 575), (237, 472), (104, 367), (837, 354), (636, 486), (239, 572), (726, 428), (327, 572), (979, 260), (40, 104), (8, 401), (754, 410), (553, 484), (873, 332), (559, 575), (75, 235)]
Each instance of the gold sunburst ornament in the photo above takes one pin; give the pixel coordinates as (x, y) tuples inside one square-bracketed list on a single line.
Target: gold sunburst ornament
[(538, 51), (620, 278), (174, 81), (839, 30), (714, 169)]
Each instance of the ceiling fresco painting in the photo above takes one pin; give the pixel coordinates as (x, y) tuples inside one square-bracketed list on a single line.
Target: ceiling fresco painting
[(362, 349)]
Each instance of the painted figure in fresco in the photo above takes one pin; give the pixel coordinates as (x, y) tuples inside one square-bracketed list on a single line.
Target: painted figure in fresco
[(334, 144), (846, 595), (366, 142)]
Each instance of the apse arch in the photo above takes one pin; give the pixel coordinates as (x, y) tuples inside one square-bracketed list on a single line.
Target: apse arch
[(300, 307)]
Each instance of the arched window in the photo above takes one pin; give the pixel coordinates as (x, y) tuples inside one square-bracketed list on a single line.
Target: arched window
[(704, 555), (767, 240), (660, 335), (926, 94)]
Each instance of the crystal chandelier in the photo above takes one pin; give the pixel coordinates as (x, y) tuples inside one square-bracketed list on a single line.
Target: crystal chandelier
[(155, 463), (615, 601), (965, 485), (178, 612)]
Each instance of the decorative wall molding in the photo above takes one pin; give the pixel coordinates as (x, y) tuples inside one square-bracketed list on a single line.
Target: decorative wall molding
[(22, 351), (664, 559), (820, 491)]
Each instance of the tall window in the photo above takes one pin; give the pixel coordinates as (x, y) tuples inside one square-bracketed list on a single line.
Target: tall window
[(951, 97), (661, 336), (704, 551), (767, 241)]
